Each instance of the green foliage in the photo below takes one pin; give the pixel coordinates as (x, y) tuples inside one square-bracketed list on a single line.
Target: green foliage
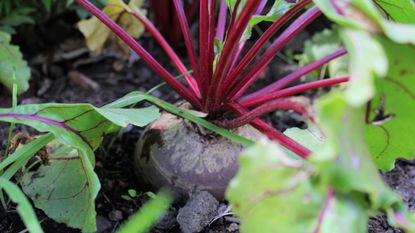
[(367, 61), (312, 137), (24, 208), (271, 192), (298, 202), (319, 46), (63, 189), (381, 56), (339, 187), (402, 11), (15, 13), (367, 57), (231, 5), (78, 129), (393, 108), (345, 163), (12, 64), (148, 215), (21, 156), (16, 18), (277, 10), (336, 191)]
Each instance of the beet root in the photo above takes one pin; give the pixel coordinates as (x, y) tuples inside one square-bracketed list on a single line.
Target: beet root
[(175, 154)]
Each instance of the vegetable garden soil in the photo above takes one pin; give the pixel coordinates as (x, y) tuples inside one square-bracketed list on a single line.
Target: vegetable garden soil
[(114, 159)]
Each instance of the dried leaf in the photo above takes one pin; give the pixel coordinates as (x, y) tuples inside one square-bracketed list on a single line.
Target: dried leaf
[(97, 34)]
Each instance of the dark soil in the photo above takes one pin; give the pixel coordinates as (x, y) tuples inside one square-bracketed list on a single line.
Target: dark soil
[(114, 159)]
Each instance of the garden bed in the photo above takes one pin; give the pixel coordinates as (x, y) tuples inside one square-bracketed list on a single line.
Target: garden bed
[(114, 158), (61, 76)]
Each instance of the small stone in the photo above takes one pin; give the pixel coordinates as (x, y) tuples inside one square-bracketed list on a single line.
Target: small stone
[(233, 227), (103, 224), (199, 210), (115, 215)]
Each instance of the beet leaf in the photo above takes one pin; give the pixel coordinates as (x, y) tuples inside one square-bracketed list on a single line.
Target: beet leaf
[(78, 130)]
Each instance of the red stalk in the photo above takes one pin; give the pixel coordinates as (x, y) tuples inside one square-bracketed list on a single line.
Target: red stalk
[(274, 134), (230, 48), (220, 28), (239, 86), (191, 9), (211, 50), (166, 20), (293, 90), (188, 41), (242, 45), (147, 58), (169, 50), (278, 104), (204, 42), (287, 80), (264, 38), (160, 18), (261, 7), (174, 31), (233, 17)]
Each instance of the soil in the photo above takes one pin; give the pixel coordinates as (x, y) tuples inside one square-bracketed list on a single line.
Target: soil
[(50, 83)]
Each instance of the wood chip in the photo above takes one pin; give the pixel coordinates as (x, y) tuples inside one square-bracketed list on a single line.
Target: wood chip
[(83, 81)]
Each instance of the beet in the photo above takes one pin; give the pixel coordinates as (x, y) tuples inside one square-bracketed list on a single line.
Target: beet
[(176, 154)]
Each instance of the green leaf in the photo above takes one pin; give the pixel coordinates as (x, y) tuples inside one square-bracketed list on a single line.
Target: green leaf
[(148, 215), (367, 61), (10, 60), (344, 215), (393, 108), (355, 14), (401, 11), (48, 5), (334, 192), (273, 192), (231, 5), (344, 158), (132, 193), (18, 17), (278, 9), (366, 57), (321, 45), (24, 208), (137, 96), (75, 123), (361, 23), (344, 161), (62, 188), (125, 117), (79, 128), (312, 137)]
